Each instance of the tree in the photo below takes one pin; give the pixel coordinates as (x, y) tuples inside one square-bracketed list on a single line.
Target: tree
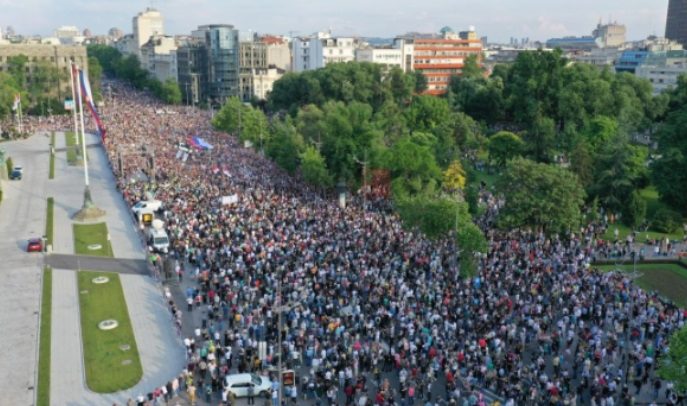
[(673, 365), (504, 146), (95, 75), (314, 169), (541, 138), (170, 92), (455, 177), (8, 88), (540, 196), (227, 118), (435, 217), (618, 172), (16, 67), (669, 172), (471, 241), (427, 112), (420, 82), (600, 131), (472, 68), (413, 167), (285, 145)]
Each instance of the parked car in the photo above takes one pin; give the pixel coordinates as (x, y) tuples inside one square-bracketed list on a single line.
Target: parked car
[(16, 174), (238, 384), (147, 206), (34, 245)]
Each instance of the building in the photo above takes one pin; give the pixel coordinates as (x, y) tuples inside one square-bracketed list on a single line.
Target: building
[(158, 56), (440, 58), (676, 23), (387, 56), (574, 43), (115, 33), (146, 24), (630, 60), (127, 45), (611, 35), (262, 61), (69, 35), (58, 55), (320, 49), (598, 57), (662, 69), (208, 64)]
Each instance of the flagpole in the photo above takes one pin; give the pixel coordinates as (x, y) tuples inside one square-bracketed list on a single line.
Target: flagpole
[(87, 193), (76, 125)]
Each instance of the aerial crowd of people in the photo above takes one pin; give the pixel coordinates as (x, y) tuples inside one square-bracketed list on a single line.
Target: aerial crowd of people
[(373, 313)]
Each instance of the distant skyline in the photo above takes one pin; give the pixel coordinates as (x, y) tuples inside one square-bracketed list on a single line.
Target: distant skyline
[(498, 19)]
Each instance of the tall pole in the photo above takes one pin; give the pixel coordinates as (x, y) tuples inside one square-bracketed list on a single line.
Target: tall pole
[(87, 192), (76, 125)]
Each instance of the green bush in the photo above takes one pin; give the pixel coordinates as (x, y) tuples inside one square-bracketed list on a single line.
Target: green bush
[(666, 221), (10, 165), (634, 212)]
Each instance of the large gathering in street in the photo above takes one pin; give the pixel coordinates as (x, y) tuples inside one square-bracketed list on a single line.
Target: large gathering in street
[(384, 212)]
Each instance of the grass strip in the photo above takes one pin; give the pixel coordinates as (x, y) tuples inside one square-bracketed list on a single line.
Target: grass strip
[(111, 357), (669, 280), (92, 235), (70, 140), (43, 395), (51, 174), (49, 221)]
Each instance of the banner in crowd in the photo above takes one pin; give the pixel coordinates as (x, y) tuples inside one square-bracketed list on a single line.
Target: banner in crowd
[(199, 143), (231, 199)]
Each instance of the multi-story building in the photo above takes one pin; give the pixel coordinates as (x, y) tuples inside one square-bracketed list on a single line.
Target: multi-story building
[(662, 69), (440, 58), (68, 35), (318, 50), (387, 56), (611, 35), (208, 65), (146, 24), (262, 61), (59, 56), (158, 56), (676, 23)]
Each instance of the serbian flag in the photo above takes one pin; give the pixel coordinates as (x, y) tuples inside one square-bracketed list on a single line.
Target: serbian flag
[(87, 96)]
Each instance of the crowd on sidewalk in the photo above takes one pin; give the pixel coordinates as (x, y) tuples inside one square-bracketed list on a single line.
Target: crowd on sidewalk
[(374, 313)]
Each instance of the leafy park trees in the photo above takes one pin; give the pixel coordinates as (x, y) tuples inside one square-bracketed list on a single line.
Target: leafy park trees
[(673, 365), (540, 196)]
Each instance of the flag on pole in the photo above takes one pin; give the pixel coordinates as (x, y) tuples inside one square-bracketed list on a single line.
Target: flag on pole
[(17, 102), (88, 101)]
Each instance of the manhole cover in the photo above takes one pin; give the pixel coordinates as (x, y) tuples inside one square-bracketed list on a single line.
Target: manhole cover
[(95, 247), (100, 280), (125, 347), (127, 362), (108, 324), (83, 292)]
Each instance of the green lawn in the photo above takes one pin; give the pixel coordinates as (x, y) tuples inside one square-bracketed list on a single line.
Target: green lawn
[(91, 234), (669, 280), (49, 221), (51, 175), (70, 139), (650, 196), (43, 395), (109, 368), (623, 231)]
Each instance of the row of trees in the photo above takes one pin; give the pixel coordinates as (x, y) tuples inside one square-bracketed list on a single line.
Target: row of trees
[(129, 68), (341, 124)]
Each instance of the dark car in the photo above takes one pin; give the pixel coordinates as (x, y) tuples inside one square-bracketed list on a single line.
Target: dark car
[(15, 175), (34, 245)]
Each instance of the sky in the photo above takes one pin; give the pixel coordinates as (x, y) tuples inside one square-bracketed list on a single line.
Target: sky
[(498, 19)]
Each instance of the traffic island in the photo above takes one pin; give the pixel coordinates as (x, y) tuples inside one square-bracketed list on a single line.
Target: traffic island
[(111, 358), (92, 239)]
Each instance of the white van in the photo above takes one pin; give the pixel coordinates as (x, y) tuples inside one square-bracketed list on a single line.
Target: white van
[(158, 240)]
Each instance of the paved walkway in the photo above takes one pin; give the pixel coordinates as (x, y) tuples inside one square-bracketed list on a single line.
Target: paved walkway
[(22, 216), (160, 349), (76, 262), (67, 189)]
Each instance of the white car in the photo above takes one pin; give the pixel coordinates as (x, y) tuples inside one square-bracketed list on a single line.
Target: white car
[(238, 384), (147, 206)]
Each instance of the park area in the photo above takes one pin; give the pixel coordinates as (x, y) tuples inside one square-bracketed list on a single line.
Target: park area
[(667, 279), (111, 357)]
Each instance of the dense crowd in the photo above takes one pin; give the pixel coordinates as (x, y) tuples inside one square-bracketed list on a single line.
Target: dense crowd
[(374, 313)]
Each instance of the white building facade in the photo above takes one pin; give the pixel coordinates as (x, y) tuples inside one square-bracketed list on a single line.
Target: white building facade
[(320, 49), (147, 24)]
